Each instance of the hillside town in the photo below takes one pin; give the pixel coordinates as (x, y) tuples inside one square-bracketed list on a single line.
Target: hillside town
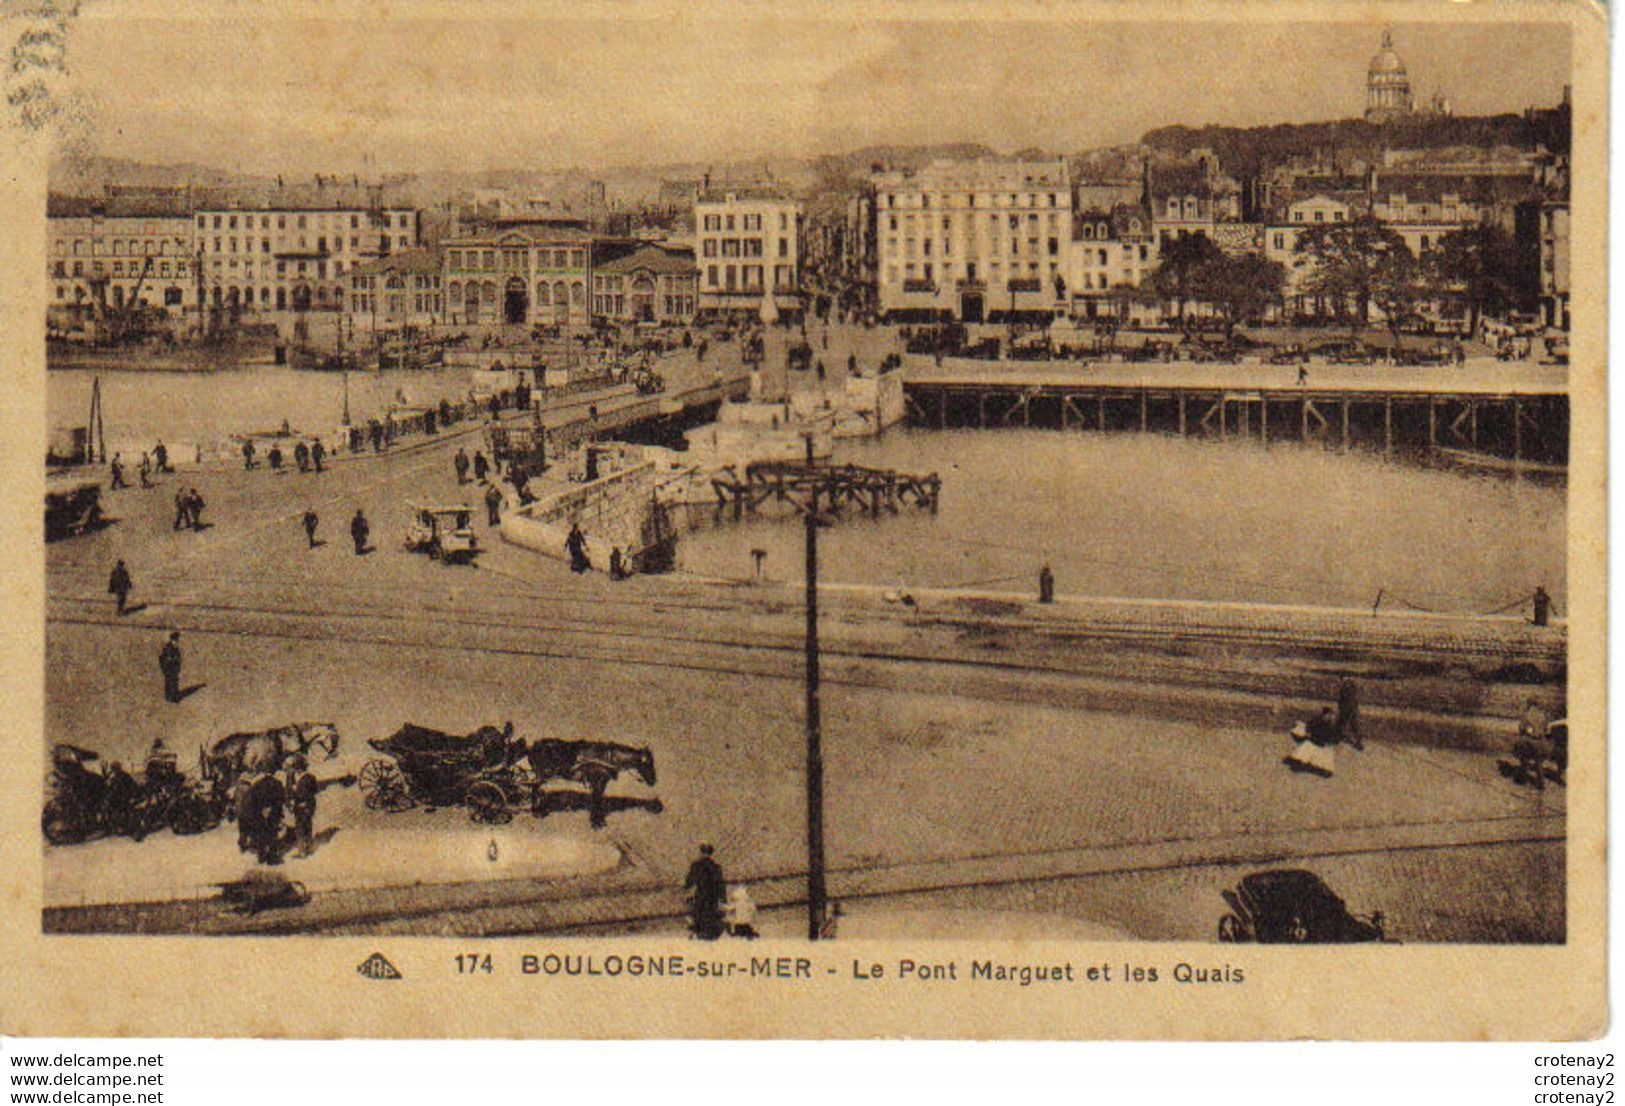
[(1301, 234)]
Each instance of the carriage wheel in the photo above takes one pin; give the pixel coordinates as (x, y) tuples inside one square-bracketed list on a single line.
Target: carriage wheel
[(1297, 930), (1231, 931), (60, 825), (383, 787), (487, 804)]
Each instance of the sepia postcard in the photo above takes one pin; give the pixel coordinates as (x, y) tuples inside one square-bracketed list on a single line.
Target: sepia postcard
[(966, 520)]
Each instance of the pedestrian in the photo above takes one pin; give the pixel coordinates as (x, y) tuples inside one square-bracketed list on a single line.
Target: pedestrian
[(302, 790), (275, 458), (160, 454), (1046, 585), (376, 433), (576, 546), (851, 364), (1303, 375), (183, 509), (242, 806), (1534, 745), (145, 470), (1315, 745), (617, 565), (118, 583), (117, 468), (818, 369), (1543, 607), (740, 912), (301, 456), (169, 663), (248, 454), (310, 526), (265, 801), (359, 531), (1348, 713), (460, 463), (317, 452), (706, 887), (194, 508), (481, 466), (493, 505)]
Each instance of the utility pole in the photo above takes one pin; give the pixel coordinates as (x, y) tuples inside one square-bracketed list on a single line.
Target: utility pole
[(815, 753)]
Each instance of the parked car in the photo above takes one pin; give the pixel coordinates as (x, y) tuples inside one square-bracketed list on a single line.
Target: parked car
[(1292, 906), (1342, 351)]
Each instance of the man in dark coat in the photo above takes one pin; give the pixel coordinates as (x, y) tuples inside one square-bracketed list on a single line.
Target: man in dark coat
[(359, 531), (183, 509), (248, 454), (275, 458), (310, 526), (194, 509), (265, 802), (301, 456), (317, 452), (119, 584), (576, 546), (707, 889), (117, 468), (493, 506), (169, 663), (481, 466), (460, 463), (160, 455), (243, 809), (302, 789)]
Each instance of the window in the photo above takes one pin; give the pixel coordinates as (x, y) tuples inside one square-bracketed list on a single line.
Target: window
[(1280, 240), (217, 222), (1054, 247), (202, 222), (232, 222), (1320, 216), (301, 222), (711, 275), (784, 247), (710, 247)]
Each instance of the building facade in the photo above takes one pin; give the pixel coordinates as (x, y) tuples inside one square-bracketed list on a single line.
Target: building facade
[(973, 240), (533, 276), (651, 284), (1112, 253), (1554, 263), (402, 289), (293, 259), (108, 255), (747, 241)]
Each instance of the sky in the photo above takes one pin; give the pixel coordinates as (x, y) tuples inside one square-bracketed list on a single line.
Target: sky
[(482, 87)]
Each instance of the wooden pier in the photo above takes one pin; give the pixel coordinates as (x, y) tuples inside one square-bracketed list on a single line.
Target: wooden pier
[(1518, 413), (813, 487)]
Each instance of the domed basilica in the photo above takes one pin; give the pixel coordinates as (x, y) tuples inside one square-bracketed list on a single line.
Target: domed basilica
[(1387, 85)]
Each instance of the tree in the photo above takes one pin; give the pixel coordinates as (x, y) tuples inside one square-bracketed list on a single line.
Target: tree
[(1481, 264), (1399, 286), (1349, 261), (1239, 287), (1181, 260)]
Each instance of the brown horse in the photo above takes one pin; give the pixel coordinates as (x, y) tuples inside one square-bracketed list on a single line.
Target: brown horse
[(265, 751), (593, 763)]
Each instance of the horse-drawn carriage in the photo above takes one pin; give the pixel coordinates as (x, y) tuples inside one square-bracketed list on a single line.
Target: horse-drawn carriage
[(86, 802), (492, 773)]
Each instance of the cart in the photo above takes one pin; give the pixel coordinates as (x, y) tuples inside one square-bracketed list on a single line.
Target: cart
[(430, 768)]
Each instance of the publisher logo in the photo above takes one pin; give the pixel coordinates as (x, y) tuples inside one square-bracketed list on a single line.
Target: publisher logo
[(377, 966)]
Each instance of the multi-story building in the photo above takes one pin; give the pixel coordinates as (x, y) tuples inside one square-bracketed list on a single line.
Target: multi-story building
[(973, 240), (1387, 85), (402, 289), (531, 275), (648, 284), (747, 241), (108, 253), (1112, 252), (1189, 199), (293, 258)]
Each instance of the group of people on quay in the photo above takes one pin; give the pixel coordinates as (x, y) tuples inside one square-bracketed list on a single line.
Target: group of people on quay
[(276, 811), (306, 455)]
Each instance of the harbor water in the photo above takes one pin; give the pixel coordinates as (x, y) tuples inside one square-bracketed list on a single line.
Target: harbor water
[(1153, 516)]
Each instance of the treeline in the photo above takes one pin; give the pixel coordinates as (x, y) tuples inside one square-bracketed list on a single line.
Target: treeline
[(1249, 150)]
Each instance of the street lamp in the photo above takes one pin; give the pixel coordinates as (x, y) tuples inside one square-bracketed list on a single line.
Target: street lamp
[(816, 891)]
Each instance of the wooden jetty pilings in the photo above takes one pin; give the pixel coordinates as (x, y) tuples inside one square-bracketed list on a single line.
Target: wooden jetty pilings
[(812, 487), (1519, 422)]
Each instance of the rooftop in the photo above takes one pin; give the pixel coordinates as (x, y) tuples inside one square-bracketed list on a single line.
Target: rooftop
[(656, 259), (421, 261)]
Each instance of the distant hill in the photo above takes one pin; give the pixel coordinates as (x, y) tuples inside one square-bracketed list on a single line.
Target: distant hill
[(1247, 150)]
